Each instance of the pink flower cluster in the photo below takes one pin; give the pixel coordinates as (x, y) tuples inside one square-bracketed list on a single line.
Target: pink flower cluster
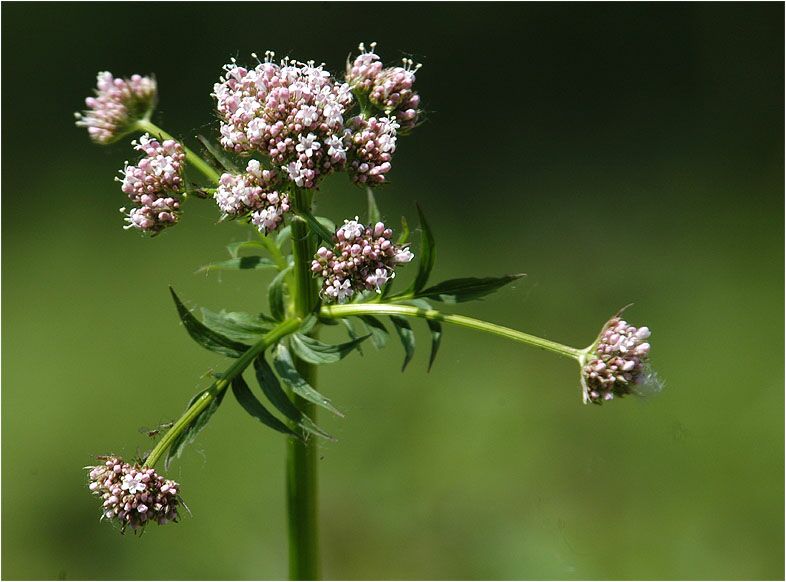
[(373, 145), (153, 184), (390, 89), (618, 362), (291, 111), (133, 496), (254, 193), (117, 104), (362, 259)]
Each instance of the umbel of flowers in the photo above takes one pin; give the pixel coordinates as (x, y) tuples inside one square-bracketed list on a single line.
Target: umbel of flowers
[(363, 258), (254, 193), (133, 496), (617, 363), (117, 105), (290, 111), (153, 184)]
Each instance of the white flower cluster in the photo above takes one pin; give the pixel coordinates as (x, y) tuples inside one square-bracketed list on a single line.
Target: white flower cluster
[(133, 496), (153, 184), (618, 363), (116, 105), (362, 258), (291, 111), (255, 194)]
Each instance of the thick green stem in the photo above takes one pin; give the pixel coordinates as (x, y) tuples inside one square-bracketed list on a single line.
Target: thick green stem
[(237, 367), (302, 499), (191, 158), (338, 311)]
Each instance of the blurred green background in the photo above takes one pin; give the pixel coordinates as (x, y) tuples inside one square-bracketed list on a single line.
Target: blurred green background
[(615, 152)]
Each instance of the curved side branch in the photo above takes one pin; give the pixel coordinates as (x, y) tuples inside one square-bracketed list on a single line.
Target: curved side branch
[(339, 311), (237, 367)]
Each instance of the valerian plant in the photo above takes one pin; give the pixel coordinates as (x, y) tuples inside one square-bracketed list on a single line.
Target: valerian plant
[(284, 126)]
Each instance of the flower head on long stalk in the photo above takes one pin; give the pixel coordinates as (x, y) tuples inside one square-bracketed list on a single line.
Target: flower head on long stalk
[(618, 362), (117, 105), (133, 496)]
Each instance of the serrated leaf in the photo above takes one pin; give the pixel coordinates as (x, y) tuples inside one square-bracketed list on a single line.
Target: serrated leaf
[(316, 352), (404, 236), (427, 254), (285, 367), (275, 295), (255, 408), (238, 263), (205, 336), (238, 326), (218, 155), (235, 247), (435, 328), (407, 337), (188, 435), (373, 209), (352, 332), (467, 288), (275, 394), (379, 334)]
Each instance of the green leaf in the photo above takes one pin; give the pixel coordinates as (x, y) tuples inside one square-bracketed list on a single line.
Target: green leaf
[(235, 247), (278, 398), (373, 209), (404, 236), (256, 409), (407, 337), (283, 236), (352, 332), (426, 260), (236, 263), (219, 155), (315, 352), (435, 328), (467, 288), (205, 336), (275, 295), (285, 367), (321, 226), (379, 334), (238, 326), (192, 430)]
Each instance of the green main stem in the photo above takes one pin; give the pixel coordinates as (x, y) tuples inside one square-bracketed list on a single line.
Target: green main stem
[(302, 498)]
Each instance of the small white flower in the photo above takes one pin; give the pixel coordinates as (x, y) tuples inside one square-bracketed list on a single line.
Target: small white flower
[(133, 484), (308, 145), (296, 172), (378, 279), (404, 256)]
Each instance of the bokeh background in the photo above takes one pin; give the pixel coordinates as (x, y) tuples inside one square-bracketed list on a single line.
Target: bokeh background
[(616, 153)]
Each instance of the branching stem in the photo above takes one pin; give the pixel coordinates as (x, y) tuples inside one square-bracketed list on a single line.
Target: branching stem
[(339, 311), (237, 367)]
